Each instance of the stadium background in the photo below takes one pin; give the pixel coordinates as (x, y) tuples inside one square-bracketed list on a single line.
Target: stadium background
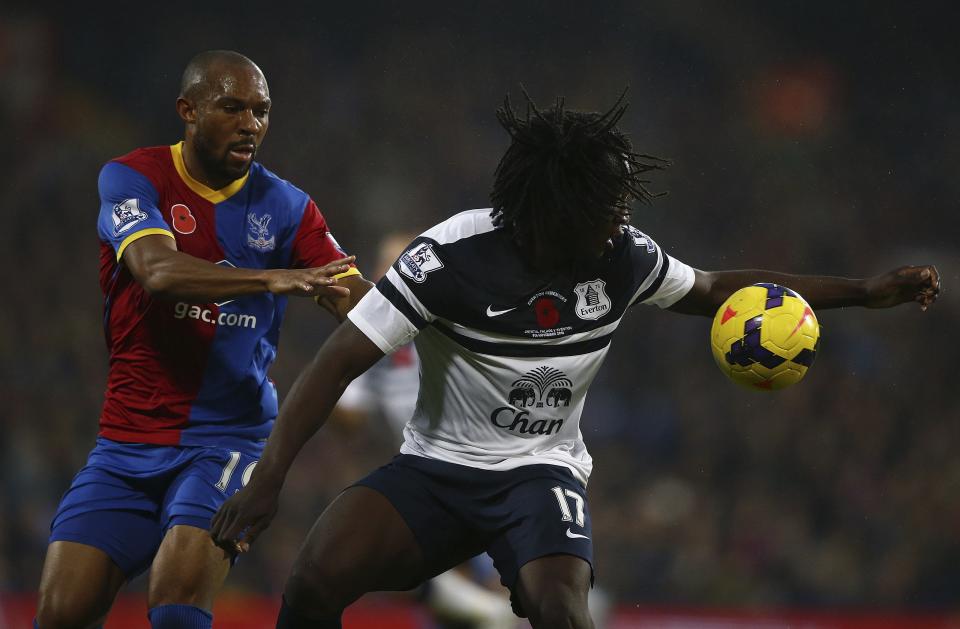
[(806, 136)]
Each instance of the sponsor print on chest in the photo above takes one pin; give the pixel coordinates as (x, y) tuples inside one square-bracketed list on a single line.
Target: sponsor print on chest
[(534, 402)]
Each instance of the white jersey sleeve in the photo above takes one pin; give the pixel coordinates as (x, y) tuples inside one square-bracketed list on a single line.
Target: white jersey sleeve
[(663, 284), (677, 282), (404, 301), (388, 317)]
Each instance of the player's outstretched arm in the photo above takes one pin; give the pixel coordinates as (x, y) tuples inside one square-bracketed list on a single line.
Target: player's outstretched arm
[(165, 272), (345, 355), (908, 283), (340, 306)]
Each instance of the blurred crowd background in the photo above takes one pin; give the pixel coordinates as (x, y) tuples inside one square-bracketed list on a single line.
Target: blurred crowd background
[(816, 137)]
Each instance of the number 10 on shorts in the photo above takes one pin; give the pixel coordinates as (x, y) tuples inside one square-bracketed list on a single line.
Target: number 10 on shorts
[(230, 467), (562, 495)]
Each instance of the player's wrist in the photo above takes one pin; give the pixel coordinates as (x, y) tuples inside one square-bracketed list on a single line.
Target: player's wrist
[(268, 477), (268, 280), (871, 291)]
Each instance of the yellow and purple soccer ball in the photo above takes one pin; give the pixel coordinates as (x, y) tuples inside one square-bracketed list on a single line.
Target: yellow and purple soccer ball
[(765, 337)]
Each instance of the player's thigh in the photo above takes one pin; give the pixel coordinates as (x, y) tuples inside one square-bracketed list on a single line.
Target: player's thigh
[(359, 544), (553, 591), (105, 532), (77, 587), (547, 516), (546, 513), (189, 569), (110, 507)]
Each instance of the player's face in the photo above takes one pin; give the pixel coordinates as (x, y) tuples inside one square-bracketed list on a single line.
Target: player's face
[(604, 236), (588, 243), (231, 123)]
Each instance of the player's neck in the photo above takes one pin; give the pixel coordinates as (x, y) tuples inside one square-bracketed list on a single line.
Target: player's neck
[(197, 171), (549, 261)]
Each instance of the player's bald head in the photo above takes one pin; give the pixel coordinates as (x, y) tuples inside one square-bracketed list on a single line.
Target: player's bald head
[(207, 70)]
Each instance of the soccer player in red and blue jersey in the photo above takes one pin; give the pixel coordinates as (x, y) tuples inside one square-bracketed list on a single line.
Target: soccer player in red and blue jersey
[(200, 247)]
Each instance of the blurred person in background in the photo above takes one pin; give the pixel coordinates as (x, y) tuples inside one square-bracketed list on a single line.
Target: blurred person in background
[(512, 310), (200, 247)]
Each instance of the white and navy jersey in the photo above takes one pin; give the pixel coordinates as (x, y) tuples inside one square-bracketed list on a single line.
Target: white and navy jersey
[(507, 353)]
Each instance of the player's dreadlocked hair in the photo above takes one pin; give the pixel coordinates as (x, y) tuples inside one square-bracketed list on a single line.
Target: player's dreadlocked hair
[(564, 172)]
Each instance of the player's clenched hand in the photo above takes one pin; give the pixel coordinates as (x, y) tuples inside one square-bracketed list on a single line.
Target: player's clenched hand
[(908, 283), (243, 517), (310, 282)]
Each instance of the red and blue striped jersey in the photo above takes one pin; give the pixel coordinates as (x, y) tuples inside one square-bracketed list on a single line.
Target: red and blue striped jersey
[(196, 374)]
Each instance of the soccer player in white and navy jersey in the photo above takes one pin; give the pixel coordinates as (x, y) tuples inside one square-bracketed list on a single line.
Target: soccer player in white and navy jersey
[(512, 310)]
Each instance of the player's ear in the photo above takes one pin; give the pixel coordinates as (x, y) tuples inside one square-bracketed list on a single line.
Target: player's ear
[(186, 110)]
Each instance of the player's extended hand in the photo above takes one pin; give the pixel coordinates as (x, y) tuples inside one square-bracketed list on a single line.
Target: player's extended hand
[(243, 517), (908, 283), (310, 282)]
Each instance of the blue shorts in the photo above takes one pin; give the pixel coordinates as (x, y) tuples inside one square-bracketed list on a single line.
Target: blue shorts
[(128, 495), (516, 516)]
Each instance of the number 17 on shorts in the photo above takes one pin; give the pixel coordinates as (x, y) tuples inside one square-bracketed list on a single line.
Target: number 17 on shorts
[(568, 498)]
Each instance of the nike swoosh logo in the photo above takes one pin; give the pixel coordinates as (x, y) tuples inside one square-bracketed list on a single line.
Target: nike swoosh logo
[(575, 535), (807, 313), (496, 313)]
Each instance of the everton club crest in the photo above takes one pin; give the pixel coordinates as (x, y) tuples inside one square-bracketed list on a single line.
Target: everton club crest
[(592, 300)]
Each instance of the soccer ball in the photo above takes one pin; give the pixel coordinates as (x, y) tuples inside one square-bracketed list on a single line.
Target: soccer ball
[(765, 337)]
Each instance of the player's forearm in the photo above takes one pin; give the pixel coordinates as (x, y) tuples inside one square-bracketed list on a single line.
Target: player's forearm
[(183, 277), (820, 291), (358, 285), (304, 412), (711, 289), (343, 357)]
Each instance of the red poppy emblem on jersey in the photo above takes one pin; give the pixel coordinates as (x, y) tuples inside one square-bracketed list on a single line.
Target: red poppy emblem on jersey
[(183, 220), (547, 314)]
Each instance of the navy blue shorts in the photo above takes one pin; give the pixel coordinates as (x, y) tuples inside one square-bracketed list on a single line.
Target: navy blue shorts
[(456, 512), (128, 495)]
